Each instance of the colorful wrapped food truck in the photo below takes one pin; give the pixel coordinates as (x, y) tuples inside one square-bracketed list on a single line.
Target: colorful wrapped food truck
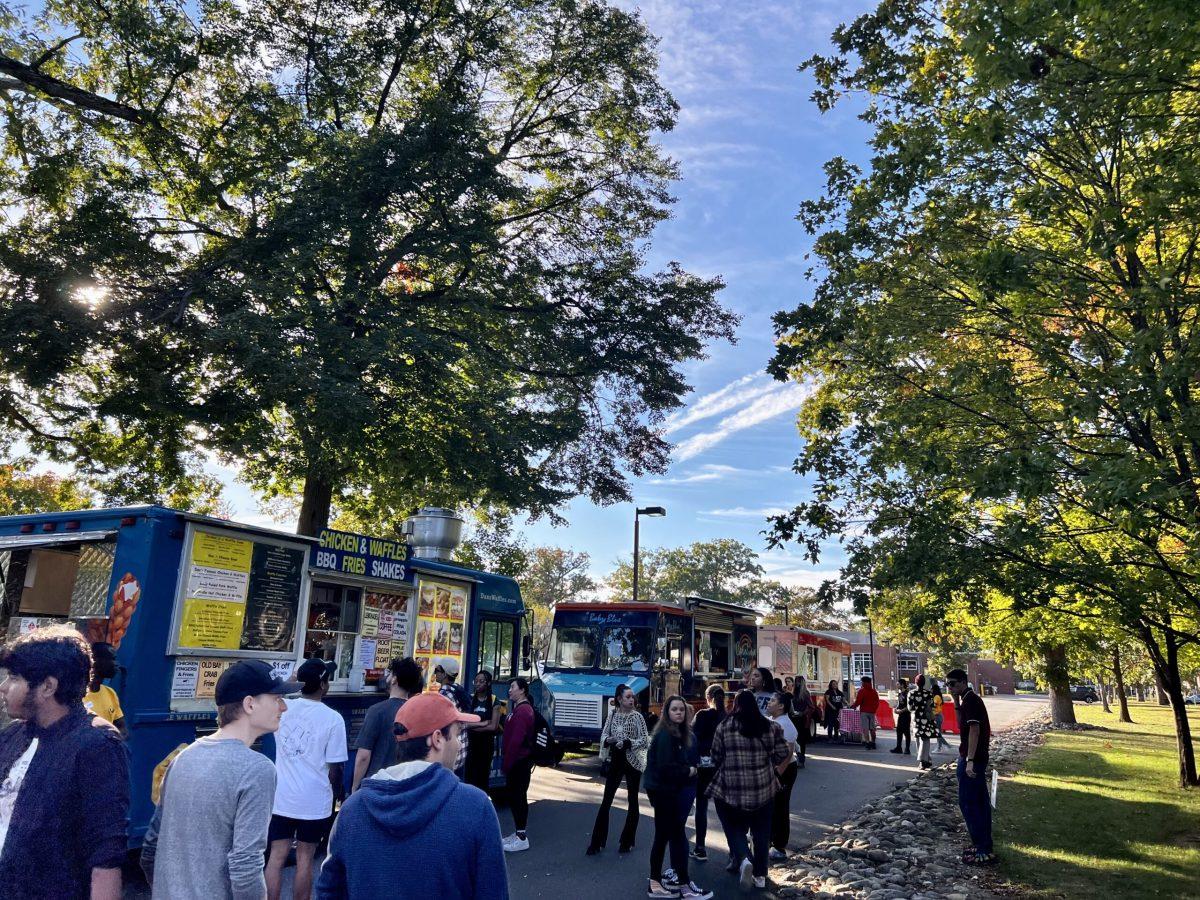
[(815, 656), (657, 649), (181, 597)]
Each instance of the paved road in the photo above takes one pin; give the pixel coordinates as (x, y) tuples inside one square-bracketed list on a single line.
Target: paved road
[(835, 782)]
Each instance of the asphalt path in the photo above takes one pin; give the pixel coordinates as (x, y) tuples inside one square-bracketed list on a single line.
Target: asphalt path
[(836, 780)]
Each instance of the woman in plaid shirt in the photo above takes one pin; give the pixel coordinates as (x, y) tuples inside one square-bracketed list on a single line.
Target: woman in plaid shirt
[(749, 752)]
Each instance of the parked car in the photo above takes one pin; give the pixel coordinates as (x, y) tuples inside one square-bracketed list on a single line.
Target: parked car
[(1027, 685), (1084, 692), (1192, 699)]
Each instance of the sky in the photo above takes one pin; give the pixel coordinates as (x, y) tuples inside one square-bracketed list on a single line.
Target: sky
[(751, 145)]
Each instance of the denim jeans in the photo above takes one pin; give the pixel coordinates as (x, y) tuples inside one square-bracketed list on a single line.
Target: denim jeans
[(975, 802)]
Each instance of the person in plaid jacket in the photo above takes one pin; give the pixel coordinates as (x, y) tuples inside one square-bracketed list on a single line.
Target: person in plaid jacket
[(749, 752)]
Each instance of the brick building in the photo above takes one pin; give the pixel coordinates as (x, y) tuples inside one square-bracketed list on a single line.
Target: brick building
[(890, 663)]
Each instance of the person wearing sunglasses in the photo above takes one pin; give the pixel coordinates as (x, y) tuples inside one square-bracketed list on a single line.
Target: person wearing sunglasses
[(973, 795)]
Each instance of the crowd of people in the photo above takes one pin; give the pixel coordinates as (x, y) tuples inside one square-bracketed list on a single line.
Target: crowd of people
[(227, 817)]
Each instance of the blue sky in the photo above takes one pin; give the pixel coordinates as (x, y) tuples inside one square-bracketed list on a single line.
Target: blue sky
[(751, 146)]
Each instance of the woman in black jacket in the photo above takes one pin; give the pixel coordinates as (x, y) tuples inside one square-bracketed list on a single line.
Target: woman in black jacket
[(704, 727), (670, 781)]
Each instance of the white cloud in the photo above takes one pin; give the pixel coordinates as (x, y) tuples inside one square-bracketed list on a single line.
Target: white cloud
[(776, 400), (795, 571), (711, 472), (743, 512), (733, 395)]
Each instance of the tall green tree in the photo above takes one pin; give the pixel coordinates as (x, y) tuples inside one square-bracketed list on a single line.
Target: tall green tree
[(554, 575), (1002, 335), (718, 570), (380, 254)]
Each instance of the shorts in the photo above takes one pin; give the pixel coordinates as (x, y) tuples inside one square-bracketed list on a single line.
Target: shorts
[(868, 721), (307, 831)]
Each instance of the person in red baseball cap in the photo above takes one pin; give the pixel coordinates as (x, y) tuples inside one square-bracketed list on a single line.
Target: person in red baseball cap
[(404, 812)]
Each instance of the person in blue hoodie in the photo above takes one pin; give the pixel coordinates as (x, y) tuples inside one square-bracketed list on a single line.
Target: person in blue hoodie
[(390, 836)]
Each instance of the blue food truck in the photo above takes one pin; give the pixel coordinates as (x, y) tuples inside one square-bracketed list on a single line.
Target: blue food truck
[(657, 649), (183, 596)]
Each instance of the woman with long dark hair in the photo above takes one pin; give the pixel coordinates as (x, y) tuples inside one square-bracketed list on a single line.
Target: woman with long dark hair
[(481, 738), (804, 709), (623, 743), (705, 728), (780, 711), (834, 701), (671, 767), (749, 752), (762, 684)]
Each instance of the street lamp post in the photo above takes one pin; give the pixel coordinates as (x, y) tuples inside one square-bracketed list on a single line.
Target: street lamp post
[(654, 512)]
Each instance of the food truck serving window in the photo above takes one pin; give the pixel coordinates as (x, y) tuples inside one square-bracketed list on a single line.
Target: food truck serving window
[(238, 594)]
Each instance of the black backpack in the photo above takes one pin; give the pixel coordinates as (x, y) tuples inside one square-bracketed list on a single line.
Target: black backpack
[(543, 749)]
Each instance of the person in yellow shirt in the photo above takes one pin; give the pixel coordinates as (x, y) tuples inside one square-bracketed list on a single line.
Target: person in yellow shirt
[(100, 699)]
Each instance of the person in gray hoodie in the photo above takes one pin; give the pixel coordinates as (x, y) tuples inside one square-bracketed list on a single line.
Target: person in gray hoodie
[(390, 836)]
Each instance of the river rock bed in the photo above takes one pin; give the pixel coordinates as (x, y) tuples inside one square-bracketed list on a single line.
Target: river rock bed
[(907, 845)]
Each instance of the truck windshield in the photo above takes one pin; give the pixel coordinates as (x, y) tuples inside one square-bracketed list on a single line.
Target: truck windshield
[(573, 647), (627, 648)]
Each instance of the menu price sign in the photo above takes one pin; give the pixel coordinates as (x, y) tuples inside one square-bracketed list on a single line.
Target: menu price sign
[(238, 593), (441, 621), (272, 601), (370, 621)]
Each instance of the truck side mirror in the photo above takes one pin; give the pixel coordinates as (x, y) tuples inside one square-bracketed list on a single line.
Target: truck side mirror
[(526, 651)]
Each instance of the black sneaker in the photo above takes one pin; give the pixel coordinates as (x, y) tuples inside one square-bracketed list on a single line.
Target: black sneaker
[(699, 853)]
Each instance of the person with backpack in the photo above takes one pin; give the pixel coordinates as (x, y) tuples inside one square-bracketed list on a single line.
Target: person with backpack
[(704, 727), (516, 760), (750, 753), (670, 778), (623, 742), (481, 738)]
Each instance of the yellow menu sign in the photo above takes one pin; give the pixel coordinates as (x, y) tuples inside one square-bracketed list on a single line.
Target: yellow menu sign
[(220, 552), (216, 624)]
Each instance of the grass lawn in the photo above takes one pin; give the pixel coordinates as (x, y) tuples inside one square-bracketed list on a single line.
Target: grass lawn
[(1099, 813)]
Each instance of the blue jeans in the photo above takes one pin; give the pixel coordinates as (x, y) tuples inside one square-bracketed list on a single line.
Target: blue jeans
[(975, 802)]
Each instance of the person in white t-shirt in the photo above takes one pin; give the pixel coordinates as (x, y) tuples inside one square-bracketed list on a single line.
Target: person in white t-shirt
[(310, 756)]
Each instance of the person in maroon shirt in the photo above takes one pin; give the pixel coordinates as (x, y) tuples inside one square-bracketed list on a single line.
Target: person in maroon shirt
[(866, 701), (516, 761)]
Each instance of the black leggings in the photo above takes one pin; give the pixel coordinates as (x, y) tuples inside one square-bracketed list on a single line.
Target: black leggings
[(670, 818), (478, 769), (781, 813), (619, 768), (704, 779), (518, 792)]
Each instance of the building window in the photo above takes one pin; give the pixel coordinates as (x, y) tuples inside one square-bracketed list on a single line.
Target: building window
[(906, 664), (860, 664)]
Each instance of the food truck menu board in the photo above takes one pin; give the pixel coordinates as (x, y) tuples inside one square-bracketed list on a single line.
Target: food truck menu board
[(384, 632), (238, 593), (441, 625), (196, 679)]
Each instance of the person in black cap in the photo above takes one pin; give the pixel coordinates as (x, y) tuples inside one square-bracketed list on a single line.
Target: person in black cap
[(310, 761), (209, 831)]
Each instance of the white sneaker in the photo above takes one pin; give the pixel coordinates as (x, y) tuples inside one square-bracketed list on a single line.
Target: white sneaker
[(514, 844), (777, 854), (759, 881), (746, 873)]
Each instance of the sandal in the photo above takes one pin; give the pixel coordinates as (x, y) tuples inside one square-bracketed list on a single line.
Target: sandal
[(981, 859)]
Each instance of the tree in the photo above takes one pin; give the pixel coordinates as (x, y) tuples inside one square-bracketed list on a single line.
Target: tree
[(783, 604), (1002, 334), (718, 570), (554, 575), (24, 491), (491, 546), (379, 254)]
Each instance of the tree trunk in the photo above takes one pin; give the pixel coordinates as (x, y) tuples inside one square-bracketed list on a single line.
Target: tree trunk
[(1103, 693), (1058, 677), (1119, 676), (1166, 671), (316, 505), (1140, 690), (1161, 689)]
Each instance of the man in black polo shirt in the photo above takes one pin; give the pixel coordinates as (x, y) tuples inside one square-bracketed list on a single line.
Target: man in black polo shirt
[(973, 794)]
